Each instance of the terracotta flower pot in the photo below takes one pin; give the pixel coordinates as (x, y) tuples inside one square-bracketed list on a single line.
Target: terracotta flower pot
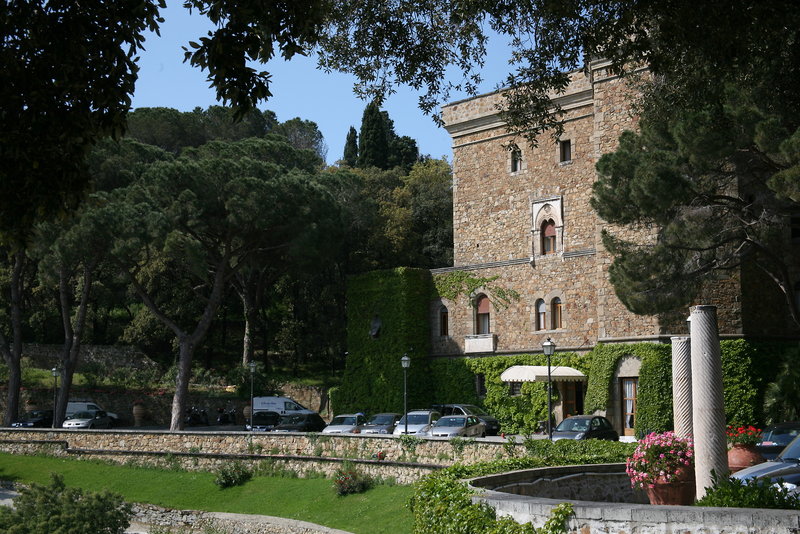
[(741, 456), (677, 492), (138, 414)]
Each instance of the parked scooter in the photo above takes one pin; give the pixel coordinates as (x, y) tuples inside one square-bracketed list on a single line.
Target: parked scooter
[(195, 416), (226, 417)]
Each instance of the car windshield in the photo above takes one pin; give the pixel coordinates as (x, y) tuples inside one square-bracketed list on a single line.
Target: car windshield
[(792, 450), (415, 419), (35, 414), (342, 420), (82, 415), (474, 410), (381, 419), (452, 421), (780, 435), (573, 425)]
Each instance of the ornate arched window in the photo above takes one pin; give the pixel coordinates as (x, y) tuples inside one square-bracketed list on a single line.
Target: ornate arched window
[(548, 237)]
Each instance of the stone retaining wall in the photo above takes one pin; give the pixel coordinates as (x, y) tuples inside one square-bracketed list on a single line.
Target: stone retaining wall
[(405, 460), (621, 517)]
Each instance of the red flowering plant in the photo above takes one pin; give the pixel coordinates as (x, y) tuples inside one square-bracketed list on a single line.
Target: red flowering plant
[(660, 457), (743, 435)]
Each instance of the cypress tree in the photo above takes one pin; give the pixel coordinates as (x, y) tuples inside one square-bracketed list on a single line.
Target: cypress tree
[(373, 142), (351, 148)]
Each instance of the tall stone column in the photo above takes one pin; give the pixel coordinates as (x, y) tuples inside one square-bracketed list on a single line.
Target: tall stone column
[(682, 386), (708, 410)]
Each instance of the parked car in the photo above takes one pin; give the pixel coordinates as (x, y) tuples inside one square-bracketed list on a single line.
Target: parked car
[(89, 419), (491, 422), (263, 421), (345, 424), (80, 405), (300, 422), (784, 468), (585, 427), (419, 422), (451, 426), (775, 438), (35, 418), (380, 423), (282, 405)]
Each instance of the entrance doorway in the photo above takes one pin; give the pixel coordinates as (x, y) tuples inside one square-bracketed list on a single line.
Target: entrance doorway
[(628, 387)]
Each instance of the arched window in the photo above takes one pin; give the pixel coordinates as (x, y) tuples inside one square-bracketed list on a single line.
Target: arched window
[(540, 314), (516, 160), (482, 315), (555, 313), (444, 325), (548, 237)]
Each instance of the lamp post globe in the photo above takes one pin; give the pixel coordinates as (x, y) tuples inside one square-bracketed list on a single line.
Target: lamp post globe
[(405, 362), (549, 348)]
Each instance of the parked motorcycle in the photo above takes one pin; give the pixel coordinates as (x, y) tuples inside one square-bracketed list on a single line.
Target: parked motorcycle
[(226, 417), (195, 416)]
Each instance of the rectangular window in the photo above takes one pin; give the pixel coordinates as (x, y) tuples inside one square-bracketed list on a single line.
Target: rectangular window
[(515, 389), (444, 323), (572, 401), (483, 323), (565, 150), (480, 384)]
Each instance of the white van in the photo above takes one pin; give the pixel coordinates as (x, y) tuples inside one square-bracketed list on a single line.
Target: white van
[(282, 405), (87, 406)]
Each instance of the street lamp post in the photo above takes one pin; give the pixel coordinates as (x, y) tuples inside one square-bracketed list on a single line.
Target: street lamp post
[(54, 372), (252, 366), (549, 348), (405, 361)]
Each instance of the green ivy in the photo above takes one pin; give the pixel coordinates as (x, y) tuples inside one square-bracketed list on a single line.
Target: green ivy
[(455, 382), (457, 283), (373, 378), (654, 391)]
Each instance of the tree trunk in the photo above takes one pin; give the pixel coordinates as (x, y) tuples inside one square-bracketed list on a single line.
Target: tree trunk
[(186, 349), (70, 351), (250, 312), (13, 354)]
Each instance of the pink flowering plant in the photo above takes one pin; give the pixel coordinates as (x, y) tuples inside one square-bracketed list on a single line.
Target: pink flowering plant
[(659, 457)]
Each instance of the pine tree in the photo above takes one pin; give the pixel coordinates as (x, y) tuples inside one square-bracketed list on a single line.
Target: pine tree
[(351, 148)]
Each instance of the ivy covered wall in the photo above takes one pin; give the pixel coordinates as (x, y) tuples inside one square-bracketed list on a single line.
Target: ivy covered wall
[(387, 317), (396, 302)]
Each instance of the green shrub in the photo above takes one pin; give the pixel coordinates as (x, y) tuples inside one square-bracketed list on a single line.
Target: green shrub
[(56, 508), (442, 503), (734, 493), (349, 480), (232, 474)]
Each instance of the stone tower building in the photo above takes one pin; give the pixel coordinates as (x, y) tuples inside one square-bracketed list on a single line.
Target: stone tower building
[(525, 217)]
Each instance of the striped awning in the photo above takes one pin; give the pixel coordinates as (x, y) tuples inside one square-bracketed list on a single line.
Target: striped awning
[(538, 373)]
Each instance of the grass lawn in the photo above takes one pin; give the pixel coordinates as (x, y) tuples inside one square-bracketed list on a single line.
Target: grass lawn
[(379, 510)]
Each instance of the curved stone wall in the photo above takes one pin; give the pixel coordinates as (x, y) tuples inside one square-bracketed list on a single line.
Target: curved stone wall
[(528, 496)]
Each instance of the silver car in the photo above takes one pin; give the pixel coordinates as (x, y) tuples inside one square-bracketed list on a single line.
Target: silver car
[(418, 422), (87, 419), (381, 423), (451, 426), (345, 424)]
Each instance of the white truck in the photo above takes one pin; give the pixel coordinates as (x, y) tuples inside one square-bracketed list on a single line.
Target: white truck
[(282, 405)]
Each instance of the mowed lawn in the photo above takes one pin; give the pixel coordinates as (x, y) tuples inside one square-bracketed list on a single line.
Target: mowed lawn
[(381, 509)]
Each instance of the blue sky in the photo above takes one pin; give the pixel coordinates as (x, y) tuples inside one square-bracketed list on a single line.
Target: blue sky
[(299, 89)]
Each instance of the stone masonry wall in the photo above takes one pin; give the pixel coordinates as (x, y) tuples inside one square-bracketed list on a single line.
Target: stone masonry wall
[(405, 460), (496, 223)]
